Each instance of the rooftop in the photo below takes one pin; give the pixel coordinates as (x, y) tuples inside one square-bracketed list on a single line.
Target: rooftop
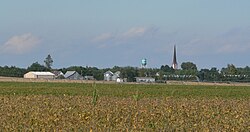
[(43, 73)]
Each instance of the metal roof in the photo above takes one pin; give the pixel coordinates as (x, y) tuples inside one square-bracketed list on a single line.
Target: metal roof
[(69, 73), (109, 72), (43, 73)]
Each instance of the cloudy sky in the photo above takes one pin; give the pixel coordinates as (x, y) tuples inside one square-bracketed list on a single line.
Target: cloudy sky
[(105, 33)]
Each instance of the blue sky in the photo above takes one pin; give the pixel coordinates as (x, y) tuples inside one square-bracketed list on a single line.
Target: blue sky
[(107, 33)]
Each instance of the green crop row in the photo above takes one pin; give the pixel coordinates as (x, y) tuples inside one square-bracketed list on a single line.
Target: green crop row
[(124, 90)]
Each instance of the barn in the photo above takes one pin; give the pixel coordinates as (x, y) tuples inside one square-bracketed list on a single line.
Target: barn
[(39, 75), (73, 75)]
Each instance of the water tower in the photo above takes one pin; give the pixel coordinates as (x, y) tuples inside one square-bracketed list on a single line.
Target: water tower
[(144, 63)]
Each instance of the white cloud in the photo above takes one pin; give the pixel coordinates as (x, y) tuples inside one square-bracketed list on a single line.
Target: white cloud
[(118, 38), (103, 37), (20, 44), (134, 32)]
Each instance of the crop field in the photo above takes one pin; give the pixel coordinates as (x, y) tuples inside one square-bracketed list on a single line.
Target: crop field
[(44, 106)]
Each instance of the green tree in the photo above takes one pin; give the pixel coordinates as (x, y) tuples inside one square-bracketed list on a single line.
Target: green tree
[(231, 69), (12, 71), (188, 66), (209, 75), (37, 67), (48, 61), (167, 69)]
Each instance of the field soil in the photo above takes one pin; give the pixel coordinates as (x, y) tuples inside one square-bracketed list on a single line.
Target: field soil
[(66, 113), (71, 106)]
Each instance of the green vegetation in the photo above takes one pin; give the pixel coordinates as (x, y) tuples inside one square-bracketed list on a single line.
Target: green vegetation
[(123, 107), (187, 72), (95, 95), (48, 62), (124, 90)]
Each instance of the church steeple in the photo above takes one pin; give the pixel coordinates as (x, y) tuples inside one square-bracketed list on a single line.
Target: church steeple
[(174, 64)]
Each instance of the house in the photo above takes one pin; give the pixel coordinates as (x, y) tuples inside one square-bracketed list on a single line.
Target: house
[(108, 76), (116, 76), (39, 75), (73, 75), (145, 79)]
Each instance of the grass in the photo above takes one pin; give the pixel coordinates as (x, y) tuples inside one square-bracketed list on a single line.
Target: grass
[(123, 107), (124, 90)]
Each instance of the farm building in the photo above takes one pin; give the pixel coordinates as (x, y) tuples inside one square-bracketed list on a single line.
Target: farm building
[(73, 75), (58, 74), (110, 76), (89, 78), (41, 75), (116, 76), (145, 79), (119, 80)]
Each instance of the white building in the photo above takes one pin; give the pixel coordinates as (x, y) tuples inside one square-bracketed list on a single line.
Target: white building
[(110, 76), (39, 75), (145, 79), (119, 80)]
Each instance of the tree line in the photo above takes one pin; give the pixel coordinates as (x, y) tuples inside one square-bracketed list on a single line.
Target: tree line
[(188, 71)]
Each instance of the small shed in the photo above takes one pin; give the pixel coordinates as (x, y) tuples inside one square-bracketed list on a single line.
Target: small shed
[(119, 80), (145, 79), (41, 75), (73, 75)]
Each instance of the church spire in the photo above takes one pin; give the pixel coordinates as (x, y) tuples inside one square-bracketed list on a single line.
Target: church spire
[(175, 64)]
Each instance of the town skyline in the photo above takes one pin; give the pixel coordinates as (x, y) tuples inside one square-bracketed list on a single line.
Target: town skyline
[(120, 33)]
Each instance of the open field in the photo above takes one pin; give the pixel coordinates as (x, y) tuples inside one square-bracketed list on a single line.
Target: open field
[(15, 79), (43, 106)]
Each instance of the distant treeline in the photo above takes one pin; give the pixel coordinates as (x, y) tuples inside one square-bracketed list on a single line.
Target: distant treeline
[(187, 71)]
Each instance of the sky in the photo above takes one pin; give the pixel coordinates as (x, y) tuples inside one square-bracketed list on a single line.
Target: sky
[(107, 33)]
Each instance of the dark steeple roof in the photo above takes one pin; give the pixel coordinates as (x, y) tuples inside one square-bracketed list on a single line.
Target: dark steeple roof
[(175, 64)]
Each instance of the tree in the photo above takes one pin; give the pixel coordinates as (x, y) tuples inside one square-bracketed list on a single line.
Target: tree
[(37, 67), (48, 61), (232, 70), (12, 71), (167, 69), (209, 75), (188, 66)]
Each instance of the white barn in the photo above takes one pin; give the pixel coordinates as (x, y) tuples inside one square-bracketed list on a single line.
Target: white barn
[(39, 75)]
